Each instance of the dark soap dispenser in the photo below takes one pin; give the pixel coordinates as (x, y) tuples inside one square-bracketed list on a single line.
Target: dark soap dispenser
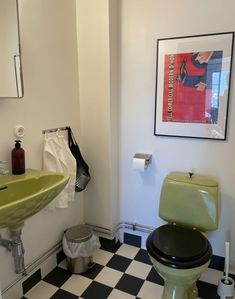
[(18, 159)]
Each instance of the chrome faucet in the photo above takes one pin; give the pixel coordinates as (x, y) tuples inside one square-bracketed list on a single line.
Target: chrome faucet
[(4, 168)]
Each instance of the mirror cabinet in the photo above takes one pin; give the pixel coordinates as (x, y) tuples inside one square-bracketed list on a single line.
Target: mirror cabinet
[(11, 83)]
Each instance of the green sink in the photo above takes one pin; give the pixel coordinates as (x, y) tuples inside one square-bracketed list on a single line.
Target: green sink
[(22, 196)]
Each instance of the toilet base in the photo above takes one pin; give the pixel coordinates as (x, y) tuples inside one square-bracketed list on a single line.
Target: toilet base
[(172, 291), (179, 283)]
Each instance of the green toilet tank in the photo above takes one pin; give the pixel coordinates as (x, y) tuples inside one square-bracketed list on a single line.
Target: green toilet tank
[(190, 201)]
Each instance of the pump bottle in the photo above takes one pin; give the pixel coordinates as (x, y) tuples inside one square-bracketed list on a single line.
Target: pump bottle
[(18, 159)]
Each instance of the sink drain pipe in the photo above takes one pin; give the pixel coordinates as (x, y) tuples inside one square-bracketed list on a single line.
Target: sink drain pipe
[(15, 245)]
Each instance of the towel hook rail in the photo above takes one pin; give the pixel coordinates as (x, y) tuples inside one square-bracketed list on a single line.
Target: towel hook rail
[(55, 130)]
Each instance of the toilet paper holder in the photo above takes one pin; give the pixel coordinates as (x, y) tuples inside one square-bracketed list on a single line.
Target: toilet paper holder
[(146, 157)]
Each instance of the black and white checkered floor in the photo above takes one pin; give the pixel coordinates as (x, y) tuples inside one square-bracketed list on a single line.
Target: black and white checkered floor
[(126, 273)]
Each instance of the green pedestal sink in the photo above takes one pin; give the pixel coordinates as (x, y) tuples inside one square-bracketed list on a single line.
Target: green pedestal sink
[(22, 196)]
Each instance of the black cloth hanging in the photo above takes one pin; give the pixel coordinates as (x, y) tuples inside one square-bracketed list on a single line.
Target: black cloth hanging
[(83, 175)]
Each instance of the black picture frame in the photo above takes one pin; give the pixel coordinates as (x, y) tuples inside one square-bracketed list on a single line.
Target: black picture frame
[(193, 76)]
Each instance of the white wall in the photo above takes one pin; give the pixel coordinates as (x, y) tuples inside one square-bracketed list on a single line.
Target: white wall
[(49, 59), (97, 34), (141, 23)]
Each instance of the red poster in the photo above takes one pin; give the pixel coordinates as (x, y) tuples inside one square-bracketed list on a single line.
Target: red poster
[(191, 87)]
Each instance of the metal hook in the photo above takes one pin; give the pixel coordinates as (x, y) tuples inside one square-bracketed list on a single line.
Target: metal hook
[(58, 132)]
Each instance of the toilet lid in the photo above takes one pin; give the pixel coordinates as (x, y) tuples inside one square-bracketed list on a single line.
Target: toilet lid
[(174, 244)]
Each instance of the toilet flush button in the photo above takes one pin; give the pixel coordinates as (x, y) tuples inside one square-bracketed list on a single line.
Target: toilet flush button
[(19, 131)]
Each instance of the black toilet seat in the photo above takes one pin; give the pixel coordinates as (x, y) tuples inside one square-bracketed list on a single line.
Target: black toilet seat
[(179, 247)]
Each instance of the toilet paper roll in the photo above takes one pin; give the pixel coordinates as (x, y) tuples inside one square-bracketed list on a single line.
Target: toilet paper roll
[(139, 164)]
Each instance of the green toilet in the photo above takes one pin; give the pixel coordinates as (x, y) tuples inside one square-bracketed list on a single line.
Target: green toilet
[(179, 250)]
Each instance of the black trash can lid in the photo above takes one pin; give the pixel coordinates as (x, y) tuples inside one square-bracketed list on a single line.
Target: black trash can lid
[(78, 233)]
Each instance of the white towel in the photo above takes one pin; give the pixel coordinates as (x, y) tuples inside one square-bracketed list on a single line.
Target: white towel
[(58, 157)]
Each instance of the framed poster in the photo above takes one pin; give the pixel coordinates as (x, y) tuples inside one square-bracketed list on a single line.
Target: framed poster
[(192, 86)]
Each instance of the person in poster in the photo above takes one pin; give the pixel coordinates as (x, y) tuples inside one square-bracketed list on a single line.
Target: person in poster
[(191, 87)]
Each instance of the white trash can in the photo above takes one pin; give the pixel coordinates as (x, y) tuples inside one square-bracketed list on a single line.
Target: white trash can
[(79, 244)]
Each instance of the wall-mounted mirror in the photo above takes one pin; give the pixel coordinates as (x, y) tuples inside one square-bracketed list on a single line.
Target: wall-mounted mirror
[(11, 84)]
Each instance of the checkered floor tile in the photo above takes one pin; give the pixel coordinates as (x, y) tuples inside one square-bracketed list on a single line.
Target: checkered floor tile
[(127, 273)]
